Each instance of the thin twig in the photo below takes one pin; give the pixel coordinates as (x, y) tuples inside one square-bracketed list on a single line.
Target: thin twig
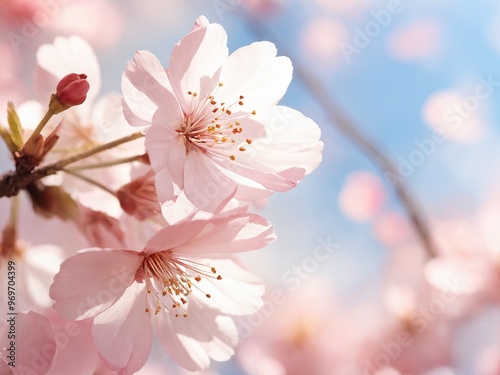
[(350, 129), (90, 181), (12, 182), (108, 163)]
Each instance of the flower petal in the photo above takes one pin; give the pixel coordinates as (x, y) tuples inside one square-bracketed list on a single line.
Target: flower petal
[(238, 292), (174, 236), (255, 72), (165, 189), (42, 263), (237, 233), (123, 334), (194, 61), (90, 282), (204, 183), (146, 87), (193, 340), (35, 344), (166, 149)]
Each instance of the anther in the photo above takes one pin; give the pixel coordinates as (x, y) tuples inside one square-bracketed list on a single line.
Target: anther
[(249, 141), (232, 157)]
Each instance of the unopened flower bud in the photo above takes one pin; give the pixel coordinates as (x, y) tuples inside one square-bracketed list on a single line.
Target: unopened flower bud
[(71, 90)]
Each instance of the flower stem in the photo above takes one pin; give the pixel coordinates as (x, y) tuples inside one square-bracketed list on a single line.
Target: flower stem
[(72, 159), (12, 182), (14, 211), (350, 129), (108, 163), (40, 126), (90, 181)]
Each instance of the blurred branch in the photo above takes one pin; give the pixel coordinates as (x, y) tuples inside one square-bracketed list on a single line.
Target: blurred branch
[(342, 122)]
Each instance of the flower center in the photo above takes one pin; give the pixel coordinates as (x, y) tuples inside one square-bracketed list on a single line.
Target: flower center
[(170, 281), (216, 124)]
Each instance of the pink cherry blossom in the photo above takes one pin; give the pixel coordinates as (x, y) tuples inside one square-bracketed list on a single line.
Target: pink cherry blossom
[(217, 131), (76, 353), (361, 196), (419, 40), (177, 283), (34, 347)]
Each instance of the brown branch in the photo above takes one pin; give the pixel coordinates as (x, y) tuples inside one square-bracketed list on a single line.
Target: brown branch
[(13, 182)]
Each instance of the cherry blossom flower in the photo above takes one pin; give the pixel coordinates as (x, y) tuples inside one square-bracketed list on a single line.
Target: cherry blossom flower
[(362, 196), (217, 131), (76, 353), (34, 346), (177, 283)]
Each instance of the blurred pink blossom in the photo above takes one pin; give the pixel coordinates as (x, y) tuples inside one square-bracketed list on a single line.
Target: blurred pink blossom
[(362, 196), (302, 332), (321, 39), (105, 29), (415, 41), (446, 112), (391, 228), (346, 8)]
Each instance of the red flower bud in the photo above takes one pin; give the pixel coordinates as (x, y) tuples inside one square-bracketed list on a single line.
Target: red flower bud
[(72, 89)]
